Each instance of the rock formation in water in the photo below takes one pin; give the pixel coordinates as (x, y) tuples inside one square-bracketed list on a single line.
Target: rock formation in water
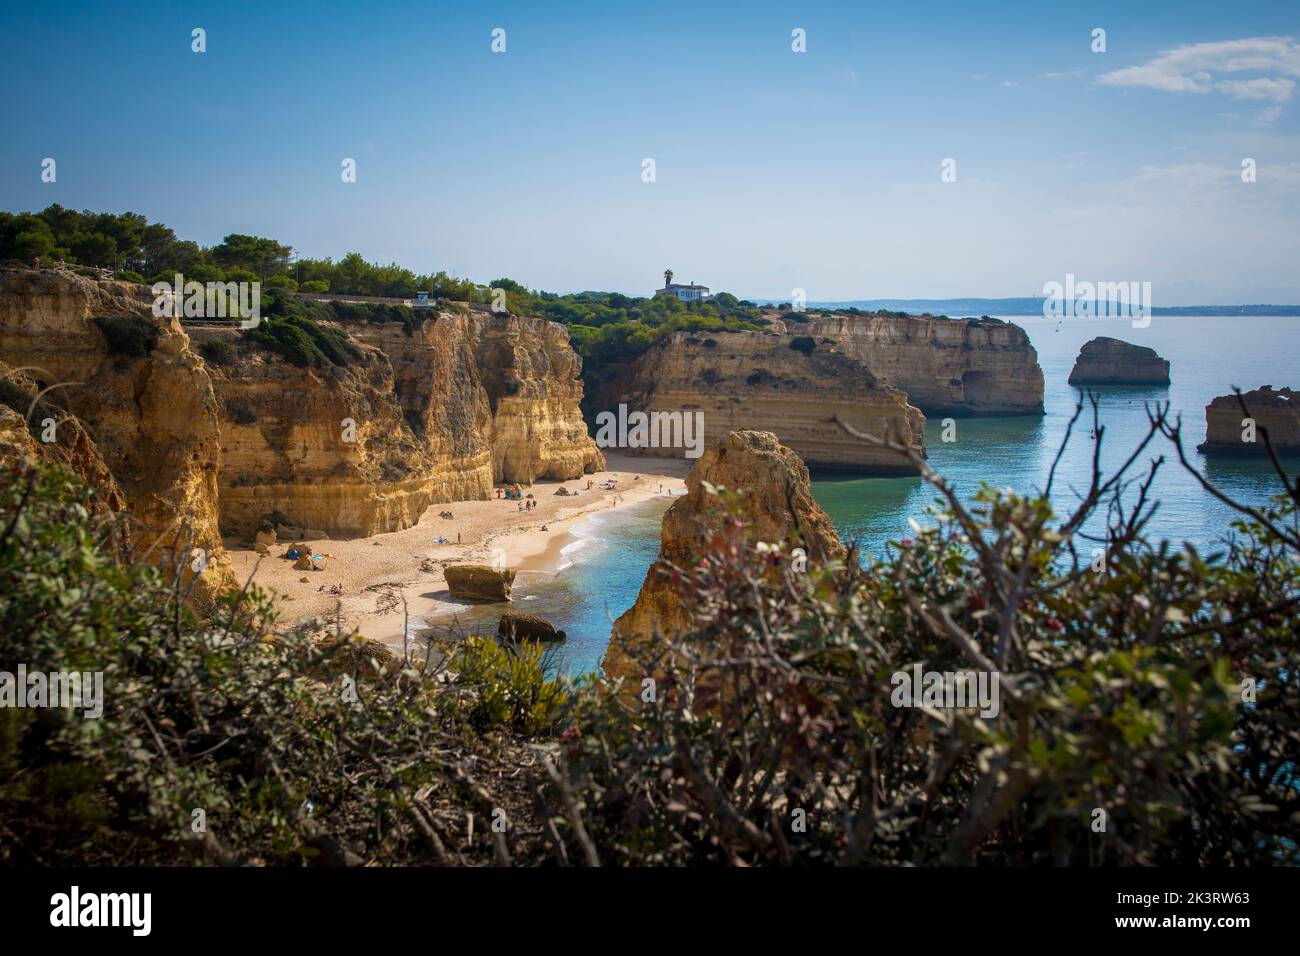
[(776, 505), (517, 626), (479, 582), (1230, 431), (795, 387), (1107, 361), (946, 366), (144, 398)]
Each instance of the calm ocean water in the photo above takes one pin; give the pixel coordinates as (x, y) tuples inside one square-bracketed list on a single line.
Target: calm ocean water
[(609, 555)]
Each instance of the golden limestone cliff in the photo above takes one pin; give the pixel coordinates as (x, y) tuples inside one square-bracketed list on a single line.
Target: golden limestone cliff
[(351, 450), (798, 388), (776, 505), (466, 399), (946, 366), (229, 434), (144, 399), (533, 379), (38, 431), (1231, 431)]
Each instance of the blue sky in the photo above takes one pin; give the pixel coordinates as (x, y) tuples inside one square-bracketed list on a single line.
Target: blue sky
[(774, 170)]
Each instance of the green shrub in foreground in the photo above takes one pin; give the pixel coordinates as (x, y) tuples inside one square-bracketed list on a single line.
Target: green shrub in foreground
[(773, 736)]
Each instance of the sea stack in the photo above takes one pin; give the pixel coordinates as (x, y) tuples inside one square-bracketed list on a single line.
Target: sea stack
[(778, 508), (1231, 431), (1107, 361)]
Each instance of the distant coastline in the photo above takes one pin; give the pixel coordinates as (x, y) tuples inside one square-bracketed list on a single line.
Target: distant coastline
[(1022, 306)]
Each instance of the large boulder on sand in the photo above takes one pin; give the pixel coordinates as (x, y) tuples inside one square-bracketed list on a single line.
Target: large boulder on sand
[(264, 540), (527, 627), (479, 582)]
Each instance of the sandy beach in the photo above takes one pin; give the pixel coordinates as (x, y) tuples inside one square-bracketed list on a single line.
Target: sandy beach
[(375, 573)]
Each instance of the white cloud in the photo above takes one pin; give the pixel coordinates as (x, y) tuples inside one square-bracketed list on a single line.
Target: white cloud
[(1195, 68), (1279, 91)]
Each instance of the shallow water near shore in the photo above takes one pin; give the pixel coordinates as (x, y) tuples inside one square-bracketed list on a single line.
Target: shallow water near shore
[(603, 563), (596, 577)]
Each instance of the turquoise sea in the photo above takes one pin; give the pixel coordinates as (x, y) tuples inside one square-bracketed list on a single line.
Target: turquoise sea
[(608, 557)]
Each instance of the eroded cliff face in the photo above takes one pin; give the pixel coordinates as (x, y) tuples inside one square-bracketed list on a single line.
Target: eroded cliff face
[(357, 450), (800, 390), (533, 380), (224, 444), (145, 401), (25, 421), (468, 399), (1227, 431), (1107, 361), (945, 366), (776, 505)]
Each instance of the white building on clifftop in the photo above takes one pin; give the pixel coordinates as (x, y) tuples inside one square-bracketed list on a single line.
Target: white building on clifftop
[(687, 293)]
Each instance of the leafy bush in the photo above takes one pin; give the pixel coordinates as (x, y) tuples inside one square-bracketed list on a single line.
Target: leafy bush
[(219, 352), (298, 748), (1123, 693), (316, 286), (131, 335), (775, 735), (504, 685), (292, 330), (287, 283), (804, 343)]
